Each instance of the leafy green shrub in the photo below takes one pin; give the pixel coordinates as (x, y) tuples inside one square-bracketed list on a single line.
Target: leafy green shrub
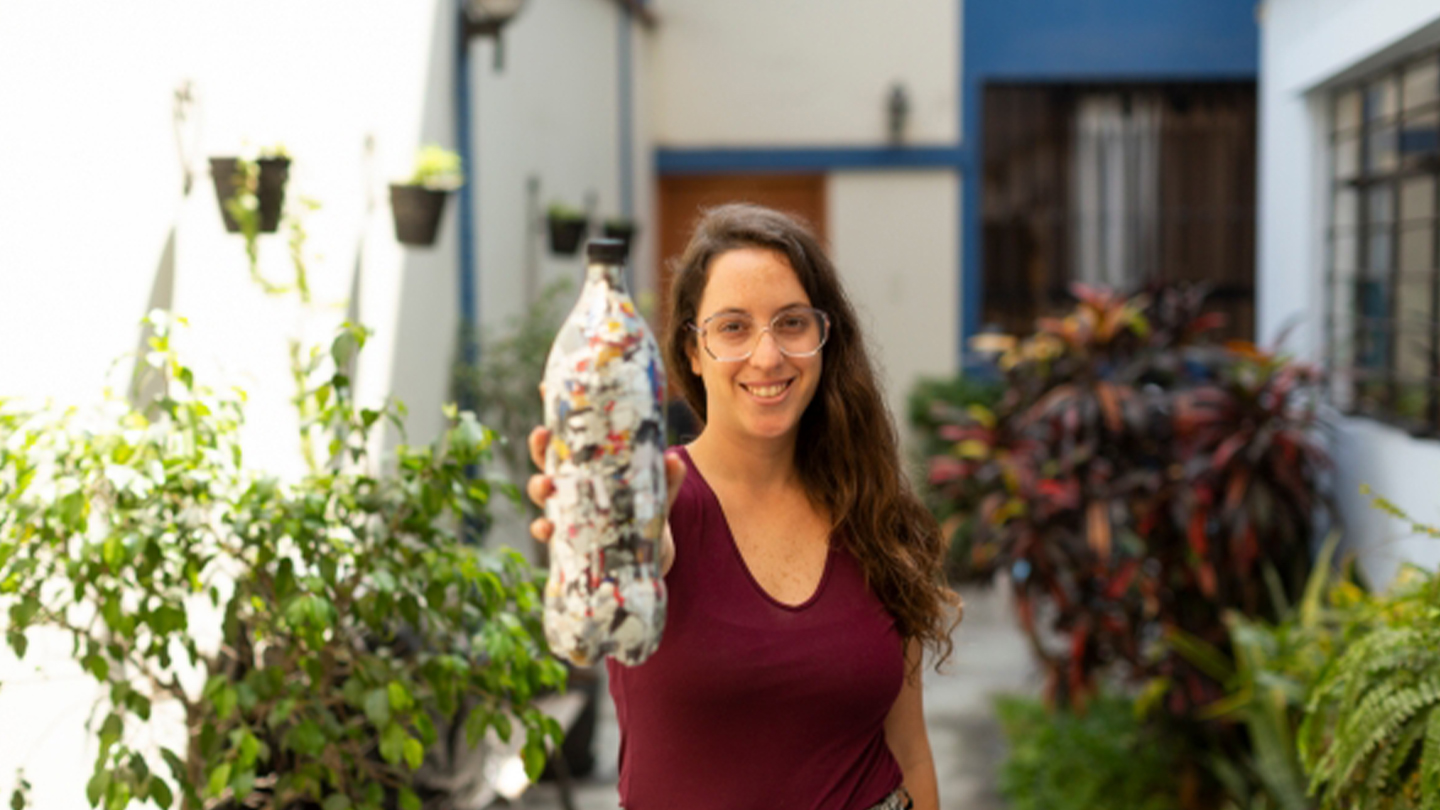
[(933, 404), (1103, 759), (1135, 479), (1371, 734), (1340, 698), (354, 625)]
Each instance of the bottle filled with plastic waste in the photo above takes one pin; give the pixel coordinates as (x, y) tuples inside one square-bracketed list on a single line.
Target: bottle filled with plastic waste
[(604, 407)]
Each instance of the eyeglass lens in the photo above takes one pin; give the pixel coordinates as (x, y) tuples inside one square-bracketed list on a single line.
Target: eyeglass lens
[(732, 336)]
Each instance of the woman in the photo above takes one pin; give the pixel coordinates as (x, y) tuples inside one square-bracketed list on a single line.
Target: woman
[(803, 575)]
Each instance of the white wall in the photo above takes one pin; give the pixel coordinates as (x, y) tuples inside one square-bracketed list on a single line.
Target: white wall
[(894, 238), (93, 187), (95, 228), (1306, 47), (803, 72), (551, 114)]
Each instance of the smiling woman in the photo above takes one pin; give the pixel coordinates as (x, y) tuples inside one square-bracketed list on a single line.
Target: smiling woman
[(803, 576)]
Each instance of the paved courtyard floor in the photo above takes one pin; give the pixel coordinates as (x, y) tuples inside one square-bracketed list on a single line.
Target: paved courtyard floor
[(991, 658)]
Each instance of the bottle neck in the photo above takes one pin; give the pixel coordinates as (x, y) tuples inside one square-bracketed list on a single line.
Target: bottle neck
[(611, 275)]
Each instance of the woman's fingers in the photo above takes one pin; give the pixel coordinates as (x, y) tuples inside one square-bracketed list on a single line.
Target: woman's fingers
[(539, 440), (539, 488), (541, 529)]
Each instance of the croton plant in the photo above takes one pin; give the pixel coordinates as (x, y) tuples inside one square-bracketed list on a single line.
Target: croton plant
[(1135, 478)]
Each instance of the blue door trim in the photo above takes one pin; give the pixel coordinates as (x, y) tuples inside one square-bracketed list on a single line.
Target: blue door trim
[(807, 159)]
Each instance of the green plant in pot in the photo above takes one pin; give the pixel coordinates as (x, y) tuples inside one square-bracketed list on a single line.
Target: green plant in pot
[(419, 203), (351, 630), (567, 227), (251, 193), (622, 228)]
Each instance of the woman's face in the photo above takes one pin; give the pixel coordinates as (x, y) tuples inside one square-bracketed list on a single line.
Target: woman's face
[(764, 395)]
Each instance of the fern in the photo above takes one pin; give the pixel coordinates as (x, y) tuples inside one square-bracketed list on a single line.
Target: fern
[(1371, 732), (1430, 764)]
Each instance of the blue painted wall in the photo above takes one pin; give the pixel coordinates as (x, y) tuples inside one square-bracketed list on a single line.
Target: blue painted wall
[(1085, 41), (1063, 40)]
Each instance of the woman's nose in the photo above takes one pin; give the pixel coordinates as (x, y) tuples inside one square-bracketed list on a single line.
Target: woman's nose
[(767, 352)]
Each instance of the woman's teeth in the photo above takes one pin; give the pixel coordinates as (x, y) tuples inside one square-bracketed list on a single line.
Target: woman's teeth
[(768, 390)]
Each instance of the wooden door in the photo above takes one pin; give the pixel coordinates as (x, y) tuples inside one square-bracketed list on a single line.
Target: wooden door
[(683, 198)]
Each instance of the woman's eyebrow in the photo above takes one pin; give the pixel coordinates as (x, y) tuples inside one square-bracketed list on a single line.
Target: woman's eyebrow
[(746, 312)]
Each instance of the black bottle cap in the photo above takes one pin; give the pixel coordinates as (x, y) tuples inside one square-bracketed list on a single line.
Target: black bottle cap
[(607, 251)]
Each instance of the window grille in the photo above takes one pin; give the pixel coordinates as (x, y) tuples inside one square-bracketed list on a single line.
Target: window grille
[(1383, 314)]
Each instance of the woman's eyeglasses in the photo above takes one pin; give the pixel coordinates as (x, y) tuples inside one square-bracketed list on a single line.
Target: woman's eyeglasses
[(733, 336)]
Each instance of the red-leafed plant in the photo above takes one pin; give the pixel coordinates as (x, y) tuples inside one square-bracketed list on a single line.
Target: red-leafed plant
[(1135, 479)]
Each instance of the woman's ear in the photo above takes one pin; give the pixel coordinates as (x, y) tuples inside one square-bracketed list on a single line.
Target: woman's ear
[(692, 349)]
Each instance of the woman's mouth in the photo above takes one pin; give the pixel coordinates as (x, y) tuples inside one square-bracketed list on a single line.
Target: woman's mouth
[(767, 390)]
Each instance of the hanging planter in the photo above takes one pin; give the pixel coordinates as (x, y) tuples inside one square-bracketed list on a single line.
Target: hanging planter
[(567, 229), (264, 178), (419, 204), (417, 213), (621, 229)]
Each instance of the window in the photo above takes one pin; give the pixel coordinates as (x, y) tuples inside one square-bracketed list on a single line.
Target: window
[(1119, 185), (1383, 318)]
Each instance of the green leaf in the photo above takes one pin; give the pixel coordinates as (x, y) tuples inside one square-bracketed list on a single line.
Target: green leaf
[(96, 787), (219, 779), (160, 793), (343, 349), (414, 753), (501, 722), (392, 743), (377, 706), (337, 801), (408, 799), (281, 712), (97, 666), (225, 702), (534, 753), (306, 739), (249, 748), (400, 699), (243, 783), (110, 732), (475, 726), (177, 765)]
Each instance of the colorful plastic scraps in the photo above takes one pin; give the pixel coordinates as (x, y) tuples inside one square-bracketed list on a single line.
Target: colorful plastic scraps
[(604, 407)]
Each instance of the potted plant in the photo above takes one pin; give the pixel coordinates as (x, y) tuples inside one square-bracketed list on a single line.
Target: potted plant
[(357, 629), (567, 228), (253, 187), (622, 228), (419, 203)]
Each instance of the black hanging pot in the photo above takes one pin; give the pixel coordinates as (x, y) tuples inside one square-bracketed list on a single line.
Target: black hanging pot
[(566, 234), (274, 172), (622, 230), (417, 211)]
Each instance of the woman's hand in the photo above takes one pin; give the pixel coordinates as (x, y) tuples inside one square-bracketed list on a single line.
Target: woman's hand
[(541, 487)]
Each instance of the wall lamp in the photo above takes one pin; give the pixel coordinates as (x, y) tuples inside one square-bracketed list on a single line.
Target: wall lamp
[(486, 18)]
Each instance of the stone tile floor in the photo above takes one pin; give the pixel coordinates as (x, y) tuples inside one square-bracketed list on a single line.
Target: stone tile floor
[(991, 658)]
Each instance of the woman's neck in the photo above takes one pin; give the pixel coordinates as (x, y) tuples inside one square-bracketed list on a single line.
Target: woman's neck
[(752, 463)]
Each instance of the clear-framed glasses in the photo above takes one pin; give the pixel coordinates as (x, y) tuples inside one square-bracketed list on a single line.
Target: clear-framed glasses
[(733, 336)]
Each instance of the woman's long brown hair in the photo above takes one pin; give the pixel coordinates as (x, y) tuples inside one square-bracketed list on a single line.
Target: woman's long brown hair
[(848, 451)]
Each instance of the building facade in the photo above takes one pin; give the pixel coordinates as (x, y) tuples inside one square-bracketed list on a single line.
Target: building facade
[(1349, 103)]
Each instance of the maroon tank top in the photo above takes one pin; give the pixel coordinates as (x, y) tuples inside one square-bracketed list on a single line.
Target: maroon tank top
[(749, 703)]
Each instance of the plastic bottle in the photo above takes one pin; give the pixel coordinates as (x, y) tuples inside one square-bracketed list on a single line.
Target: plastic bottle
[(604, 407)]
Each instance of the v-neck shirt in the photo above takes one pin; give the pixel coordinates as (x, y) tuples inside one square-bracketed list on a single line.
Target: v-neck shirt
[(751, 702)]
